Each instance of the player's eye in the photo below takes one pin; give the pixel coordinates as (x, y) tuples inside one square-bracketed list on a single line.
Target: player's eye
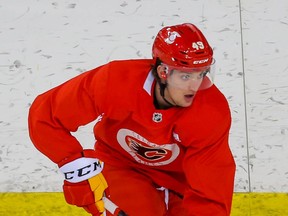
[(185, 77)]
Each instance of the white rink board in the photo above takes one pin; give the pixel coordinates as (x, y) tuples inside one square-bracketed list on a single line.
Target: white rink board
[(44, 43), (265, 31)]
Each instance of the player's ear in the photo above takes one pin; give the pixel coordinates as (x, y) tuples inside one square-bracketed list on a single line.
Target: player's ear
[(162, 72)]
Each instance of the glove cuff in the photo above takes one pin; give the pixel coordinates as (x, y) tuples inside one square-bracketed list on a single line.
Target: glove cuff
[(81, 167)]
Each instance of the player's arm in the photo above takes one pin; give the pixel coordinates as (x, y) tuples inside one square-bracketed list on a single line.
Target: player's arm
[(56, 113), (52, 117), (209, 167)]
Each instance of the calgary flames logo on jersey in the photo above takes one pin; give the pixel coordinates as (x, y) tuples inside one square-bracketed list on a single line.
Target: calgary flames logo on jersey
[(146, 152)]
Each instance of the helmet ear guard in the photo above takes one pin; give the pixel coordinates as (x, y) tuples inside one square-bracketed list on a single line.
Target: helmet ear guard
[(163, 75), (166, 70), (163, 72)]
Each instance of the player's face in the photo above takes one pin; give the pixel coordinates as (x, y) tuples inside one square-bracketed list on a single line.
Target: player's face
[(181, 88), (183, 83), (186, 80)]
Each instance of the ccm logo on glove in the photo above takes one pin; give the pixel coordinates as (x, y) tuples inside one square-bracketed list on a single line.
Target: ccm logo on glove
[(81, 169)]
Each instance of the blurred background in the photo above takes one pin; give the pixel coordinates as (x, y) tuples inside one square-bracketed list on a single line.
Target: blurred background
[(46, 42)]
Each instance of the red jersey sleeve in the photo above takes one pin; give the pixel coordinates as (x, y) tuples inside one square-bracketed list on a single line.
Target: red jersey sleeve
[(208, 163), (61, 110)]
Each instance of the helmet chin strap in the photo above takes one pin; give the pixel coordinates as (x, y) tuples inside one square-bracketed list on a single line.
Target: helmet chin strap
[(162, 90)]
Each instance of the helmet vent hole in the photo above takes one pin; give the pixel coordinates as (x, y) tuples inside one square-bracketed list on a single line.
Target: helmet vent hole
[(184, 62), (183, 52), (200, 52)]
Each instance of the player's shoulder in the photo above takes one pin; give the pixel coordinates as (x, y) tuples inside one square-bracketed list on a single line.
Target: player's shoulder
[(211, 98), (118, 71), (131, 63), (129, 70), (209, 105), (209, 116)]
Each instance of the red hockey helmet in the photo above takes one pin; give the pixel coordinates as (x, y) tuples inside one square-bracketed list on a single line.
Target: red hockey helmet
[(183, 46)]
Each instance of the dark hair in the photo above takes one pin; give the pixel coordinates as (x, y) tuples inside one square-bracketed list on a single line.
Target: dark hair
[(154, 69)]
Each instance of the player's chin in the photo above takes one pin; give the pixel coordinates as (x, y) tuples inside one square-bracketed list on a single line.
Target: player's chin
[(187, 100)]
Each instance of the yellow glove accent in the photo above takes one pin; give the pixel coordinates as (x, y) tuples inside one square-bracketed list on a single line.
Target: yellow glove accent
[(98, 185), (100, 206)]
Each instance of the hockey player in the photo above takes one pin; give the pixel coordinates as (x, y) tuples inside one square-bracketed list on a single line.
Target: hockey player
[(161, 134)]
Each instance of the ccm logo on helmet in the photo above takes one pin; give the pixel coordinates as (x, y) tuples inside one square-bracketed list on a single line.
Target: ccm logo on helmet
[(201, 61)]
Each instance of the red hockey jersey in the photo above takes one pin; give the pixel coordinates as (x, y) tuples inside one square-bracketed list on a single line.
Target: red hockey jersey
[(183, 149)]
